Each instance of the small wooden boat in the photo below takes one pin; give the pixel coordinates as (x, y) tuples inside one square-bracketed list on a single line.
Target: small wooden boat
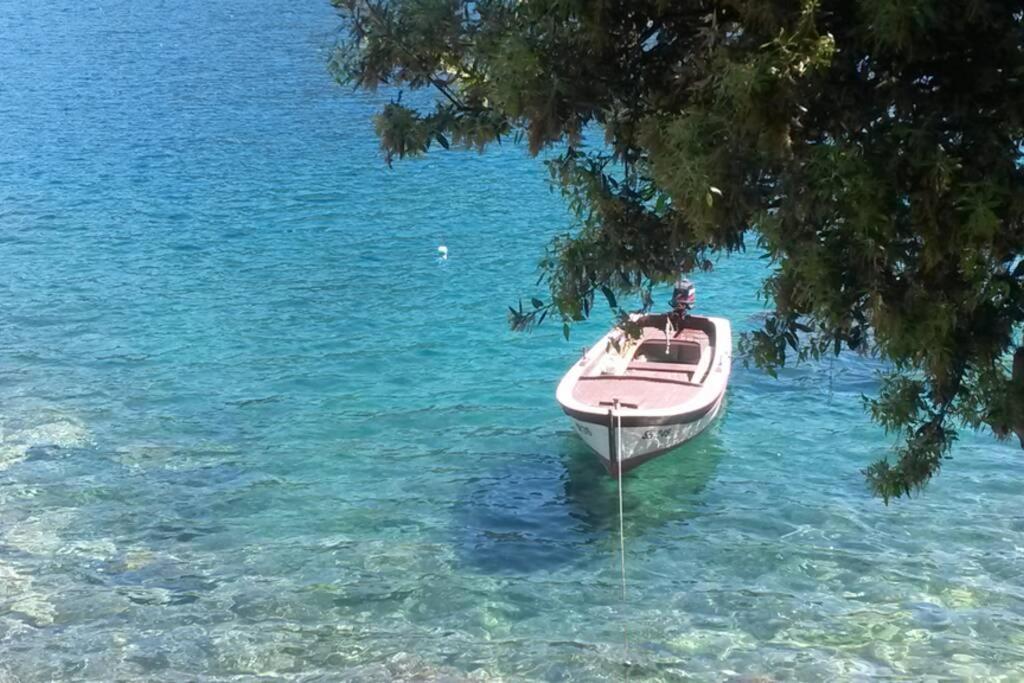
[(632, 399)]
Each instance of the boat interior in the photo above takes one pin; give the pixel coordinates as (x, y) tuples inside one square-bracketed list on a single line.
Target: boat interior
[(662, 368)]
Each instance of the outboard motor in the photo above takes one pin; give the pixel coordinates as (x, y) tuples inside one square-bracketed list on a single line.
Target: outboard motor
[(684, 296)]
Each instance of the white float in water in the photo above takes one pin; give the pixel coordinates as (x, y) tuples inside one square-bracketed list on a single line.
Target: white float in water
[(442, 252)]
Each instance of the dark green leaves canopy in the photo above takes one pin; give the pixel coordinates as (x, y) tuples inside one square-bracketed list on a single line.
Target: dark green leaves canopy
[(871, 148)]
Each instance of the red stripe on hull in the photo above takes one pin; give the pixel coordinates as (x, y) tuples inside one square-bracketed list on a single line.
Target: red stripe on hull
[(633, 463)]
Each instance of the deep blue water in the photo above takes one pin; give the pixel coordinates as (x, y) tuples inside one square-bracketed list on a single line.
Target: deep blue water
[(249, 426)]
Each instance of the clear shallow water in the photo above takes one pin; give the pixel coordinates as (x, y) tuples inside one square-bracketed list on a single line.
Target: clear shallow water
[(250, 427)]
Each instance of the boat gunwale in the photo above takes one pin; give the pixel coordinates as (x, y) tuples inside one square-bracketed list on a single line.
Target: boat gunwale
[(640, 420)]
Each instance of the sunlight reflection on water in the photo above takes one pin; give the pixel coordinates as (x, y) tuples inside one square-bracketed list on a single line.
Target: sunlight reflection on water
[(251, 427)]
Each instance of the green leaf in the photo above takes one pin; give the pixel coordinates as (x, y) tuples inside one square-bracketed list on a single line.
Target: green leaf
[(565, 331), (886, 210), (610, 295), (537, 303)]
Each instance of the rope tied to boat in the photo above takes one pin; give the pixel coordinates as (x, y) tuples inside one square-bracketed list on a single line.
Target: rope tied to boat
[(617, 424)]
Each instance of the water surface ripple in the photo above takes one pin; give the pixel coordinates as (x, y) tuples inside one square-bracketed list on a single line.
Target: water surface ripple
[(250, 427)]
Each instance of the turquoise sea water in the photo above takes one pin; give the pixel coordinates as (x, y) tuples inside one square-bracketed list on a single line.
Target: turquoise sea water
[(250, 427)]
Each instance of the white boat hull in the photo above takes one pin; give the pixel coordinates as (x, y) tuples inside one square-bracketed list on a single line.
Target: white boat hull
[(629, 408), (639, 444)]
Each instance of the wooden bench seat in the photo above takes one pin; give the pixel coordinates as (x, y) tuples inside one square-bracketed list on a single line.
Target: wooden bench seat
[(662, 367)]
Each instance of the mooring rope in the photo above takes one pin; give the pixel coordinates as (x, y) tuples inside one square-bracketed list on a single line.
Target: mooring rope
[(622, 535)]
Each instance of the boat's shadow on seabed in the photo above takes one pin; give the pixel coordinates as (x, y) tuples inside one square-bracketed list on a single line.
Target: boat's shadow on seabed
[(542, 513)]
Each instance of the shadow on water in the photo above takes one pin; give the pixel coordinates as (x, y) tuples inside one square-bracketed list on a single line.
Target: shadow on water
[(545, 512)]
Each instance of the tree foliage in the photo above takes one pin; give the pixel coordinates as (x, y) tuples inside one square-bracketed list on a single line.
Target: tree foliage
[(870, 148)]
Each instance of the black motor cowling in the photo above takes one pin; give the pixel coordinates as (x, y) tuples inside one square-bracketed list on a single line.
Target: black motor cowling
[(684, 296)]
